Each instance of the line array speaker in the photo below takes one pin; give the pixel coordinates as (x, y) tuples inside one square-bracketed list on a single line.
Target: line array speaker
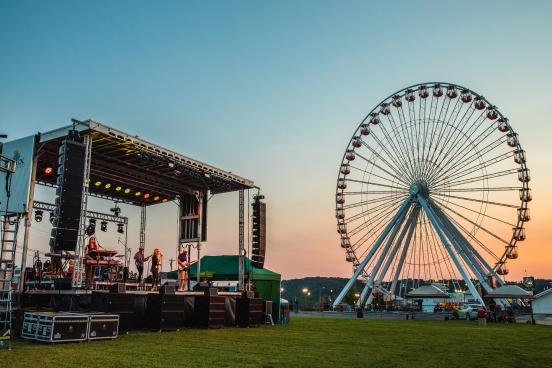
[(258, 242), (70, 181)]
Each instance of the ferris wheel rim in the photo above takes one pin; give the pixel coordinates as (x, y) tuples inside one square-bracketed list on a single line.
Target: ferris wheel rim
[(415, 87)]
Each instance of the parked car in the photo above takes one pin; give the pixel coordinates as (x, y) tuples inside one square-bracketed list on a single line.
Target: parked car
[(469, 311)]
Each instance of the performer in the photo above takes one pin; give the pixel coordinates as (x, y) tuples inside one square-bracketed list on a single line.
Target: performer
[(182, 268), (139, 261), (156, 262), (89, 269)]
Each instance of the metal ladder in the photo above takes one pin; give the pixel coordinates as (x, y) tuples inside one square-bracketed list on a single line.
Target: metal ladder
[(9, 230)]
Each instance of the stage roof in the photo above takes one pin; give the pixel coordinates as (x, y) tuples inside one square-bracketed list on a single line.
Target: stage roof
[(129, 169)]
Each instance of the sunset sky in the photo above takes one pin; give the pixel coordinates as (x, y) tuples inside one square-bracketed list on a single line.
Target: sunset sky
[(273, 91)]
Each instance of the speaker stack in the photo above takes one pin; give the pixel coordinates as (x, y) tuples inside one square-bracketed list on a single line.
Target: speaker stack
[(250, 312), (210, 310), (258, 242), (166, 311), (70, 183)]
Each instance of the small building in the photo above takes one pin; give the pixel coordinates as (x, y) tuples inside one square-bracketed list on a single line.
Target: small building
[(542, 303), (429, 295)]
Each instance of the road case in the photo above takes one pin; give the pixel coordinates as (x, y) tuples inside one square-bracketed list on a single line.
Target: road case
[(55, 326)]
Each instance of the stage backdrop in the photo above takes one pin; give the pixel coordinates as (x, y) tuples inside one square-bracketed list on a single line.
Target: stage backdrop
[(22, 151)]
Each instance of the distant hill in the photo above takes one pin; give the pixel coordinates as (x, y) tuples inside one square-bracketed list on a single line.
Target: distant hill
[(327, 288)]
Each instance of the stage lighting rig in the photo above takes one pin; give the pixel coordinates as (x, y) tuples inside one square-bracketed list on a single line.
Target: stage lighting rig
[(38, 216), (121, 228), (103, 226), (52, 217), (91, 228)]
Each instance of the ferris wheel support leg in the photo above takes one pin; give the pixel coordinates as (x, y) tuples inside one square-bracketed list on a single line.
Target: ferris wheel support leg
[(485, 268), (370, 284), (459, 243), (449, 249), (377, 244), (404, 252)]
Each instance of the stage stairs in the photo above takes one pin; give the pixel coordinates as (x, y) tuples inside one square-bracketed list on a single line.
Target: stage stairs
[(8, 236)]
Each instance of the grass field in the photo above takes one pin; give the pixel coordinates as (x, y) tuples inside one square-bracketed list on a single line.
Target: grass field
[(306, 342)]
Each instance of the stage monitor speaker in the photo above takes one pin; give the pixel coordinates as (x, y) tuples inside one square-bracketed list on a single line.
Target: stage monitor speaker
[(258, 249), (118, 288), (70, 183), (167, 289)]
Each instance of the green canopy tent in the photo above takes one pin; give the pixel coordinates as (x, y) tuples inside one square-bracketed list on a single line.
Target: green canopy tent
[(225, 268)]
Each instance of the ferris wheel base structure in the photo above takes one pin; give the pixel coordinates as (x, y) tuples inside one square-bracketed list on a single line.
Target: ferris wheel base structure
[(431, 193)]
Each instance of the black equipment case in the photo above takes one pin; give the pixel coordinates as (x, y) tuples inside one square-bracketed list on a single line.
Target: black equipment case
[(54, 327)]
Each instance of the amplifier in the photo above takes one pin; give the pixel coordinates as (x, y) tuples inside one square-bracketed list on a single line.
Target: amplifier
[(209, 311), (54, 327), (103, 326)]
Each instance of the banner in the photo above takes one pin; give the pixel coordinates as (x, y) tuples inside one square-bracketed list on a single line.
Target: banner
[(22, 152)]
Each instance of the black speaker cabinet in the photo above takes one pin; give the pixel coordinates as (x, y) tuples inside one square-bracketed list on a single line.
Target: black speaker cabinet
[(119, 288), (250, 312), (209, 311), (121, 304), (165, 311)]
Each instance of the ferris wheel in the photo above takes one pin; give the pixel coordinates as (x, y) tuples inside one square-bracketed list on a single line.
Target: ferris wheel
[(433, 186)]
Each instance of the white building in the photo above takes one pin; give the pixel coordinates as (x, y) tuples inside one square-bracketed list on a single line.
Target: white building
[(542, 303)]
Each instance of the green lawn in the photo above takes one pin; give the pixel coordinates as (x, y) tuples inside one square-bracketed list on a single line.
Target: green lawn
[(306, 342)]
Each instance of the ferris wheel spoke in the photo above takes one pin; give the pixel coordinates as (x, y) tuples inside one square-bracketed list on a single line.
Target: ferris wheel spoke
[(479, 213), (396, 166), (470, 158), (484, 201), (374, 183), (460, 150), (378, 222), (387, 203), (407, 140), (478, 226), (379, 212), (398, 151), (458, 129), (379, 167), (385, 198), (479, 166), (475, 179), (477, 190)]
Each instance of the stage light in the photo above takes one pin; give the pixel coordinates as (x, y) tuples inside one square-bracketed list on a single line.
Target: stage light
[(165, 200), (48, 170), (38, 216), (137, 194), (103, 226), (118, 189), (107, 186), (91, 228), (156, 198), (116, 210), (171, 164), (146, 196), (121, 228), (52, 218), (177, 172), (127, 190), (98, 183)]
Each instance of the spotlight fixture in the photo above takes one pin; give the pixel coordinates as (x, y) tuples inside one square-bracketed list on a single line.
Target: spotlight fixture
[(165, 200), (146, 196), (103, 226), (156, 198), (116, 210), (127, 190), (48, 170), (91, 228), (52, 217), (108, 185), (121, 228), (98, 183), (137, 194), (177, 172), (118, 189), (38, 216)]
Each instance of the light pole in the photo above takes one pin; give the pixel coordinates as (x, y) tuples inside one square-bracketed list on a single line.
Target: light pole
[(305, 293), (320, 298)]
